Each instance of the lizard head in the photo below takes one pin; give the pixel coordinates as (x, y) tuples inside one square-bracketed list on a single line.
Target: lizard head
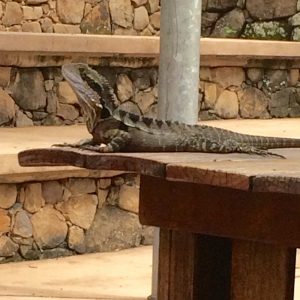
[(88, 98), (94, 82)]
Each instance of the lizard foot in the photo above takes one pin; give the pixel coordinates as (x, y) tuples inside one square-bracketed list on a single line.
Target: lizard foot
[(261, 152), (94, 148)]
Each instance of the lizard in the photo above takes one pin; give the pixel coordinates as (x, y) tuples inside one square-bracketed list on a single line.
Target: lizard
[(128, 131)]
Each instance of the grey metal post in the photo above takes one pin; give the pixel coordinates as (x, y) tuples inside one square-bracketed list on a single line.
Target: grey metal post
[(178, 75), (179, 60)]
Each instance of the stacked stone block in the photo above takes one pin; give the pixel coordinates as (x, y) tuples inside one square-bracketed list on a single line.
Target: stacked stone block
[(75, 215)]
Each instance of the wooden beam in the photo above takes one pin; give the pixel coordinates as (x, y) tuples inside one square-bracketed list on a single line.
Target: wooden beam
[(224, 212)]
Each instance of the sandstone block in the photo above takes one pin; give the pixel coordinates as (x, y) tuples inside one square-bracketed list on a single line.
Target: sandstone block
[(104, 235), (267, 10), (79, 186), (22, 120), (28, 90), (210, 94), (152, 6), (129, 198), (121, 12), (52, 192), (67, 112), (66, 93), (5, 76), (125, 88), (7, 108), (102, 196), (4, 221), (230, 25), (104, 183), (7, 247), (206, 73), (253, 103), (31, 27), (13, 14), (280, 102), (66, 28), (144, 100), (155, 20), (46, 25), (229, 76), (69, 11), (49, 227), (255, 74), (76, 239), (8, 195), (227, 106), (22, 225), (33, 199), (141, 18), (80, 210), (293, 77), (32, 13), (141, 79), (97, 20)]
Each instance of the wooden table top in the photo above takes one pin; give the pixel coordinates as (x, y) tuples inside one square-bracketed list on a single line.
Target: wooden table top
[(239, 171)]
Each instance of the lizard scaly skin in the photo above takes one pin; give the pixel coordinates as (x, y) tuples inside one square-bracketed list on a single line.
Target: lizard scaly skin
[(121, 130)]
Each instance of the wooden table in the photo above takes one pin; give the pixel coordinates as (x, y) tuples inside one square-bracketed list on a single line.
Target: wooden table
[(230, 224)]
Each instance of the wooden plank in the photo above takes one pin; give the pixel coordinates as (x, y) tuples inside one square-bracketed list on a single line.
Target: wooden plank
[(242, 174), (278, 184), (145, 163), (191, 266), (92, 160), (183, 265), (165, 238), (261, 271), (265, 217)]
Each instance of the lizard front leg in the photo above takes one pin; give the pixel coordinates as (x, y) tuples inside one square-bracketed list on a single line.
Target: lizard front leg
[(115, 140)]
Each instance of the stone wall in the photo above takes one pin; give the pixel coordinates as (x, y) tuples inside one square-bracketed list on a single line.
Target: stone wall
[(32, 96), (260, 19), (135, 17), (63, 217)]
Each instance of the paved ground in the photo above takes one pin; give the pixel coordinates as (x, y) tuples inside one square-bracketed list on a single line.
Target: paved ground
[(124, 275), (106, 276)]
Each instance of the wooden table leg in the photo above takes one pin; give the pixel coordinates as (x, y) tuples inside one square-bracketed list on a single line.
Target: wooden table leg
[(262, 271), (193, 267)]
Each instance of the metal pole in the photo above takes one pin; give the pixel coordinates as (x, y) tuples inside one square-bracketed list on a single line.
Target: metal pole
[(179, 60), (178, 76)]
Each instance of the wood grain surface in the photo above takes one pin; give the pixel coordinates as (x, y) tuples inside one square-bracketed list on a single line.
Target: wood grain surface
[(238, 171)]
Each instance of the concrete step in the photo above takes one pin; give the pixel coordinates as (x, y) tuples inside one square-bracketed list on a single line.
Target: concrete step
[(123, 275)]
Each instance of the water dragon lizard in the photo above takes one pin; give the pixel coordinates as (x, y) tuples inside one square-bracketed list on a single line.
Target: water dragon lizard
[(120, 130)]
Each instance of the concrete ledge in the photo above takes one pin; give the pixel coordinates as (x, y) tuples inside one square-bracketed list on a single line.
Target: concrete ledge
[(214, 52), (14, 140)]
